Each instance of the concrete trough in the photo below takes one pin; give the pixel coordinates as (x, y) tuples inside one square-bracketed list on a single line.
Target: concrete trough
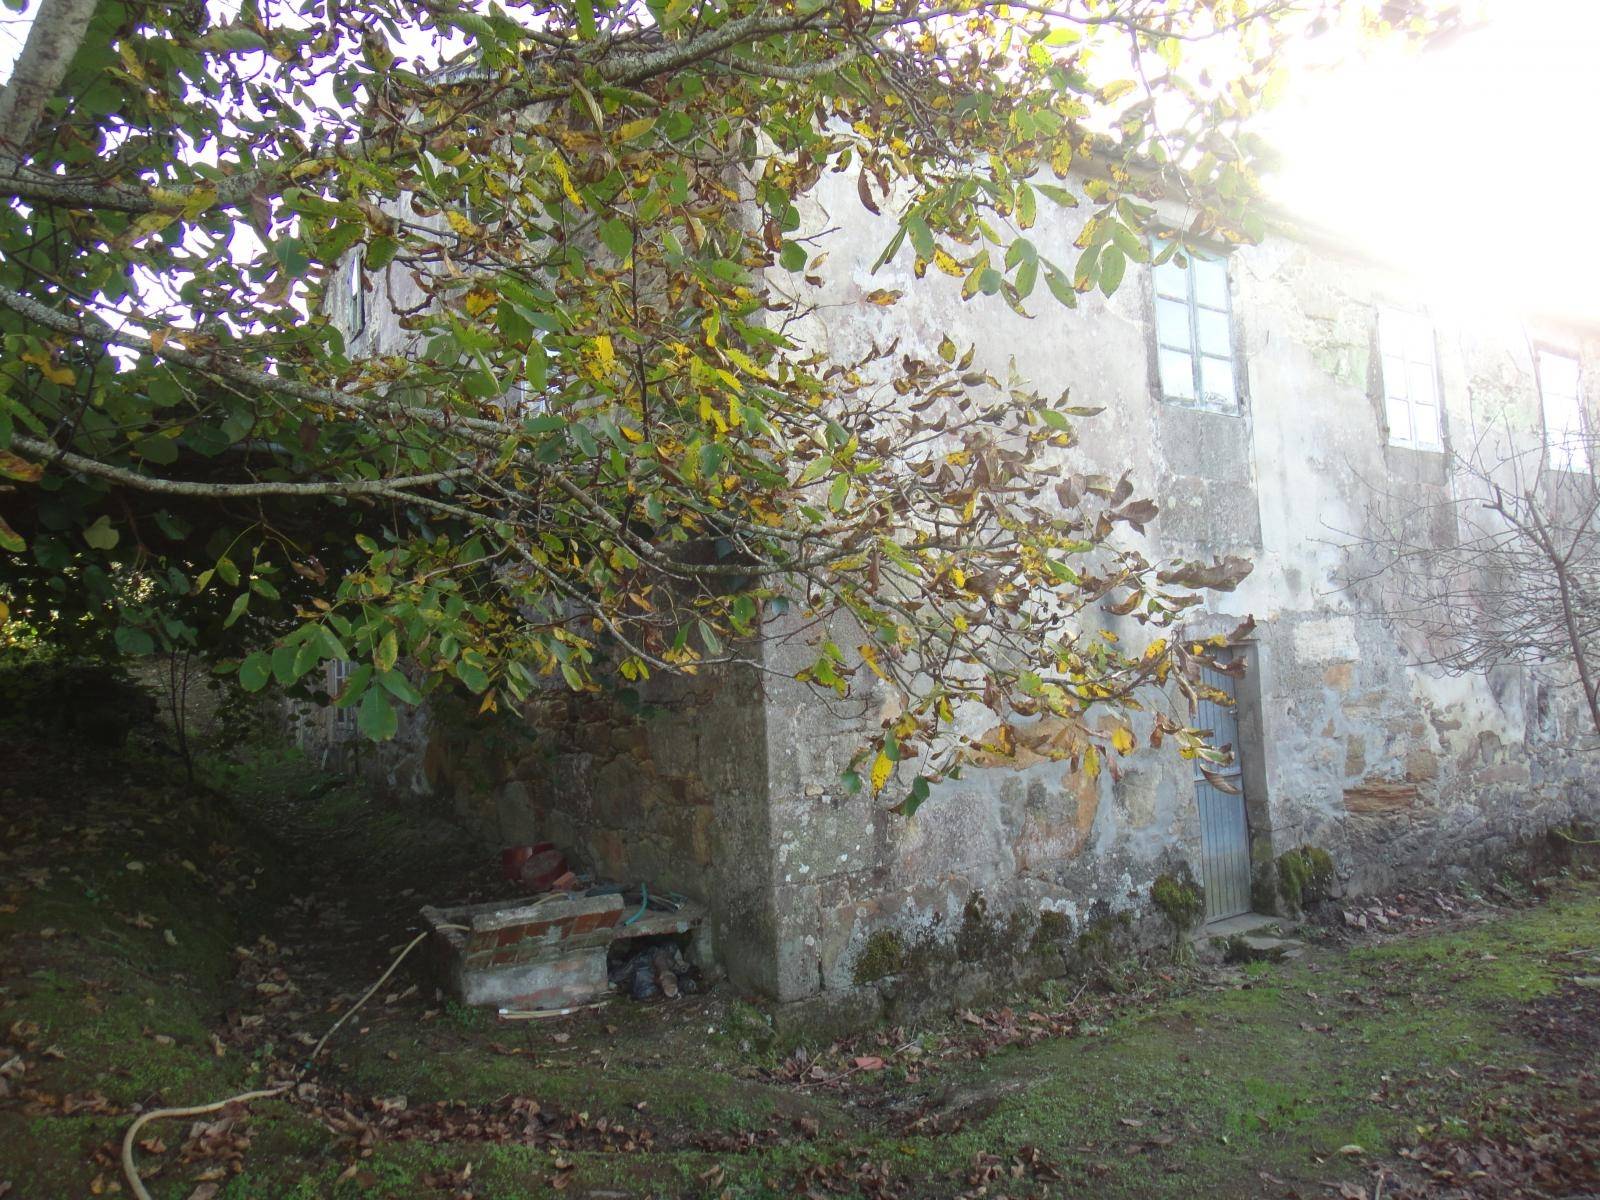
[(545, 952)]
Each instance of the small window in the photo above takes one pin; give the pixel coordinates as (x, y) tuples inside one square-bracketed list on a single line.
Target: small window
[(1194, 333), (1410, 379), (1564, 425), (355, 298), (339, 672)]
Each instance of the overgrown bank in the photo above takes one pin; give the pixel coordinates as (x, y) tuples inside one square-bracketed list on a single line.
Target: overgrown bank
[(160, 953)]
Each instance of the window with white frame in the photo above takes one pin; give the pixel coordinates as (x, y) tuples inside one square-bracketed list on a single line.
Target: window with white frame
[(1194, 332), (1564, 424), (1410, 379), (339, 672), (355, 297)]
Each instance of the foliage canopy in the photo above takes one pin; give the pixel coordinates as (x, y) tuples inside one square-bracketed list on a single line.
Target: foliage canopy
[(566, 425)]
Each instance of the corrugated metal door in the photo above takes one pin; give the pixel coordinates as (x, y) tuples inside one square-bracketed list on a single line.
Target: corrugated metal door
[(1224, 832)]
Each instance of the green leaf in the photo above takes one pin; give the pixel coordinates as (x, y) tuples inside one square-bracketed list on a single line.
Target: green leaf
[(376, 717), (101, 535), (475, 678), (1060, 288), (586, 28), (839, 493), (283, 664), (793, 256), (386, 652), (1113, 263), (617, 237), (227, 572), (255, 671), (919, 793), (240, 604), (133, 640), (398, 686)]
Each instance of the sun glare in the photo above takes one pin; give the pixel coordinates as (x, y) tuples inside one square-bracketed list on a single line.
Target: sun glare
[(1470, 165)]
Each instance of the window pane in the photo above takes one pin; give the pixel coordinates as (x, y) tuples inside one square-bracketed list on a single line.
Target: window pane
[(1177, 374), (1425, 425), (1392, 330), (1172, 280), (1421, 383), (1399, 413), (1394, 377), (1558, 374), (1172, 323), (1216, 381), (1210, 281), (1214, 333)]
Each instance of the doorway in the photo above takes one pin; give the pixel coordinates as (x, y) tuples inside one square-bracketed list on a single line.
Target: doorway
[(1224, 826)]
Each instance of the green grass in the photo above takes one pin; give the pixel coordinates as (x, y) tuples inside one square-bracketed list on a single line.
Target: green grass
[(1279, 1068)]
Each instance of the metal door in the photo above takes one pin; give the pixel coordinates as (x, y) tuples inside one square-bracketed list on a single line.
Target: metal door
[(1224, 832)]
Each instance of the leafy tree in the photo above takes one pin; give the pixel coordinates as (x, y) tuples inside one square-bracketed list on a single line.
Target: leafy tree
[(595, 444)]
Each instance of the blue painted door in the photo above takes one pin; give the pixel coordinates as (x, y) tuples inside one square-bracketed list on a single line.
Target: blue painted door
[(1224, 831)]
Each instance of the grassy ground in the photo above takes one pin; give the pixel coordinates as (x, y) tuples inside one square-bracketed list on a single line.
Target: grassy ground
[(167, 946)]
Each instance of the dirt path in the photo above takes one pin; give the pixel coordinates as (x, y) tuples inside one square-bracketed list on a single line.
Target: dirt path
[(1450, 1054)]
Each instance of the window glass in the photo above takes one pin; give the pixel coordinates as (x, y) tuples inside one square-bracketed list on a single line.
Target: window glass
[(1210, 281), (1194, 333), (1410, 379), (1177, 374), (1213, 328), (1172, 323), (1216, 382), (1564, 424)]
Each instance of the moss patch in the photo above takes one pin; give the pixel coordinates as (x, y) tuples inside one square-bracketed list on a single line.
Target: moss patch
[(1305, 877), (883, 954)]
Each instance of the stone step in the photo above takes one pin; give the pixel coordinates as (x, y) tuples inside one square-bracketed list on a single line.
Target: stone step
[(1259, 948)]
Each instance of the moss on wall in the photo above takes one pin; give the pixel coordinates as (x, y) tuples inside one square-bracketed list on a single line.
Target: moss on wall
[(1305, 877)]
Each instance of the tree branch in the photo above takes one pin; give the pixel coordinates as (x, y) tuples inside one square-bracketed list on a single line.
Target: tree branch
[(56, 34), (50, 453)]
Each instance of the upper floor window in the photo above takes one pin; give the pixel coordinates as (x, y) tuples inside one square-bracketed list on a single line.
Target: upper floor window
[(355, 298), (1410, 379), (1194, 332), (1564, 425)]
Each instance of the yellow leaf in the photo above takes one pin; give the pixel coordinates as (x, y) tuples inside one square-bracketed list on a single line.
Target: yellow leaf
[(637, 129), (63, 376), (479, 301), (947, 263), (602, 357), (558, 168), (1091, 762), (158, 339), (869, 655), (460, 223), (1122, 739), (882, 768)]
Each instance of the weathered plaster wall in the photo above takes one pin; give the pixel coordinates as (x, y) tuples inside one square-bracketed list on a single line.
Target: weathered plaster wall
[(1394, 768), (727, 789)]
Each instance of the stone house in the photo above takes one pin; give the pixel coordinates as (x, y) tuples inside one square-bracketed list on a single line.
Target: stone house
[(1258, 397)]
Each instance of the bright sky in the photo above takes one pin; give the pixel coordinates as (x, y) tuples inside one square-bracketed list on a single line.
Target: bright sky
[(1474, 165)]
